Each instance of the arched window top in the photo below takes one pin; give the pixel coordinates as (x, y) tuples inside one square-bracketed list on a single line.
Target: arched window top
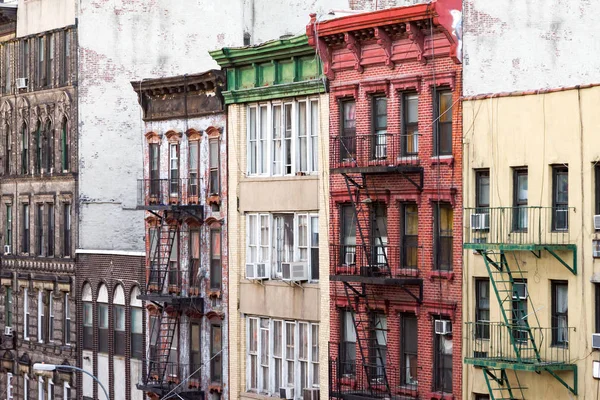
[(152, 137), (173, 137), (193, 134), (102, 294), (133, 299), (213, 132), (119, 295), (86, 292)]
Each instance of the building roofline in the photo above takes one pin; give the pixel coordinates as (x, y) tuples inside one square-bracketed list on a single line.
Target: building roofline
[(202, 81), (527, 92)]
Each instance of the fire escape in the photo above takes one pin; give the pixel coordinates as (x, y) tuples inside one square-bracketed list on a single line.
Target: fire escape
[(168, 289), (370, 265), (518, 343)]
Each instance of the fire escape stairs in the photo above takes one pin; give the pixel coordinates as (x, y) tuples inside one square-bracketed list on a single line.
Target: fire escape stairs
[(500, 387)]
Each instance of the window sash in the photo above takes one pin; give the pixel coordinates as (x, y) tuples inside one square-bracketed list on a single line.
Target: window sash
[(8, 238), (26, 314), (67, 320), (560, 199), (443, 123), (560, 313), (214, 183), (443, 239), (215, 258), (410, 124), (482, 308)]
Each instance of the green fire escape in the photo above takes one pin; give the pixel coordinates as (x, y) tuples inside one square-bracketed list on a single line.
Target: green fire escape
[(518, 342)]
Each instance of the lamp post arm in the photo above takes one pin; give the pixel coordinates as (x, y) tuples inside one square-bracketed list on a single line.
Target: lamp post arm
[(85, 372)]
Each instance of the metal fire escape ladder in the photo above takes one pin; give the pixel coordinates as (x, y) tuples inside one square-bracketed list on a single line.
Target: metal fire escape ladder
[(159, 264), (164, 340), (499, 387)]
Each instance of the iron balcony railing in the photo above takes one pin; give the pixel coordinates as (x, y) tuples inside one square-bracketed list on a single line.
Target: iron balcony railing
[(162, 377), (375, 260), (523, 225), (164, 192), (350, 379), (489, 342), (373, 150), (178, 283)]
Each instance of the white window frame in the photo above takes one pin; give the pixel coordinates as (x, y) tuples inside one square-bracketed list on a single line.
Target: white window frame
[(286, 361), (40, 388), (67, 319), (25, 387), (66, 388), (25, 314), (40, 310), (50, 318), (9, 386), (50, 389), (265, 143)]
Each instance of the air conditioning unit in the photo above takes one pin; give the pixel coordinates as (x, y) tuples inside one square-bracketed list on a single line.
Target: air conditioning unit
[(595, 340), (443, 327), (349, 258), (480, 221), (311, 394), (597, 222), (286, 393), (8, 331), (519, 290), (295, 271), (596, 248), (7, 249), (21, 83), (257, 271)]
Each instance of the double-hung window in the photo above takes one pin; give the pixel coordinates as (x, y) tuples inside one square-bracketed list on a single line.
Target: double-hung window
[(348, 345), (137, 333), (283, 241), (409, 347), (88, 325), (348, 235), (154, 158), (8, 237), (283, 138), (8, 306), (67, 230), (347, 139), (520, 198), (25, 314), (443, 363), (482, 308), (560, 313), (66, 320), (410, 236), (410, 124), (482, 190), (214, 160), (50, 313), (39, 221), (258, 239), (378, 352), (103, 327), (379, 125), (215, 258), (24, 150), (442, 235), (42, 314), (25, 219), (173, 169), (7, 149), (119, 338), (50, 241), (193, 167), (442, 138), (560, 198)]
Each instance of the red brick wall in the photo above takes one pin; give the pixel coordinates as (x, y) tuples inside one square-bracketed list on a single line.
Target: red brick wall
[(442, 182)]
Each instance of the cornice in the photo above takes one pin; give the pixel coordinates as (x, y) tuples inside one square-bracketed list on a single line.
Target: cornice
[(304, 88)]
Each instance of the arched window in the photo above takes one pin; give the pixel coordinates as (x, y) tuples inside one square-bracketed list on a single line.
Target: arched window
[(49, 148), (102, 319), (64, 146), (119, 339), (39, 146), (88, 317), (24, 150), (137, 325)]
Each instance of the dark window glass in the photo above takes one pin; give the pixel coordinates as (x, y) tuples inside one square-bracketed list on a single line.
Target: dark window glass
[(119, 340), (194, 262), (154, 169), (137, 333), (348, 133), (443, 124), (482, 187), (7, 149), (195, 351), (348, 237), (560, 198), (50, 241), (8, 309), (216, 366), (88, 326), (348, 344), (410, 121), (25, 219), (378, 350), (409, 345), (8, 237), (379, 124), (443, 222), (24, 150), (379, 236), (193, 166), (214, 166), (519, 310), (410, 238), (443, 363), (520, 198), (597, 306), (215, 258), (66, 230), (103, 328), (560, 313), (64, 141), (39, 221), (482, 308)]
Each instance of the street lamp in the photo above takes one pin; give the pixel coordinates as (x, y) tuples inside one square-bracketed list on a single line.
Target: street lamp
[(52, 367)]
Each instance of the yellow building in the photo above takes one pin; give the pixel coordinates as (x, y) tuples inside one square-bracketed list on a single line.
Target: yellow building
[(278, 116), (532, 272)]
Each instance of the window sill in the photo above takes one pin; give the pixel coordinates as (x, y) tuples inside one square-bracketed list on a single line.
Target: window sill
[(442, 160), (262, 178), (279, 282), (441, 396), (441, 275)]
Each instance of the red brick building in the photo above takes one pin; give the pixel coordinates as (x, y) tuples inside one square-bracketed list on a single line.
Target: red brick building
[(396, 201)]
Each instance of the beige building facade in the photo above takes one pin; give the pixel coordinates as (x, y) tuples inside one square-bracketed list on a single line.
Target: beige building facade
[(531, 278)]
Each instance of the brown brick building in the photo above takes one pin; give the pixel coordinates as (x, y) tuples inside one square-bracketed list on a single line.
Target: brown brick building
[(396, 203)]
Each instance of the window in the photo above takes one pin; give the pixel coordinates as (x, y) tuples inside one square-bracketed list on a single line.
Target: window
[(8, 307), (25, 313), (50, 242), (50, 314), (173, 352), (24, 150), (137, 326), (519, 310), (560, 313), (482, 396), (42, 321), (39, 241), (154, 169), (8, 237), (39, 148), (597, 306), (49, 148), (194, 261), (443, 238), (348, 131), (348, 237), (379, 126), (282, 138), (50, 392), (25, 59), (410, 121), (258, 238), (193, 166), (65, 57), (25, 387), (7, 69), (213, 152), (348, 346), (409, 346), (216, 345), (482, 308), (195, 352), (379, 238), (174, 169), (174, 281), (443, 363), (283, 241), (25, 219), (215, 258), (560, 198), (482, 191), (520, 198), (102, 327), (7, 149), (119, 339), (442, 138), (66, 391), (410, 236), (64, 146), (66, 320), (378, 353), (9, 386), (66, 230), (280, 354), (50, 58), (41, 70), (41, 392), (314, 248), (597, 189)]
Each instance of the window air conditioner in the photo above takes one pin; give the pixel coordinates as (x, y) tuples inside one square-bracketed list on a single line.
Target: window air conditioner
[(311, 394), (595, 248), (480, 221), (295, 271), (7, 249), (349, 259), (443, 327), (519, 290), (257, 271), (21, 83), (8, 331), (250, 271), (286, 393), (595, 340), (597, 222)]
